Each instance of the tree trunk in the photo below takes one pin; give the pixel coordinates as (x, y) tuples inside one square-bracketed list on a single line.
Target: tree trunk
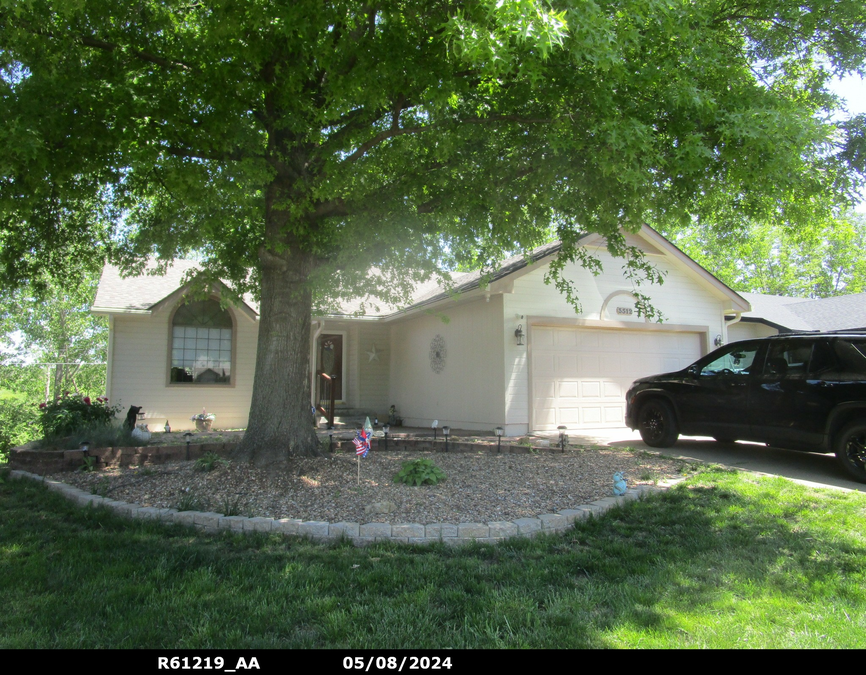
[(280, 423)]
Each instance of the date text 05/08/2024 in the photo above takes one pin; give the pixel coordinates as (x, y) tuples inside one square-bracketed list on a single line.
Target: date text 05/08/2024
[(379, 663)]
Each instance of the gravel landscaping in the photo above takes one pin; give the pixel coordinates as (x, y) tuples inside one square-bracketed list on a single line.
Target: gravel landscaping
[(479, 487)]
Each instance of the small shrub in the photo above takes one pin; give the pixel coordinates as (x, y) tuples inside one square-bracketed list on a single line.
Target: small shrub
[(99, 437), (102, 487), (230, 506), (17, 424), (70, 414), (190, 501), (88, 464), (419, 472), (209, 461)]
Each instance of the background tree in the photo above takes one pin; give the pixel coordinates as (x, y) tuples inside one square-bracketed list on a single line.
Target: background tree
[(820, 261), (49, 322), (298, 143)]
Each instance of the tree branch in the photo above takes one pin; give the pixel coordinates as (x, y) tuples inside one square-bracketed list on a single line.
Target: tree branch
[(88, 41), (233, 156), (95, 43), (383, 136)]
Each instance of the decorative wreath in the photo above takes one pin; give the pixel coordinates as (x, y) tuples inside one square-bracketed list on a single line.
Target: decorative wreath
[(438, 352)]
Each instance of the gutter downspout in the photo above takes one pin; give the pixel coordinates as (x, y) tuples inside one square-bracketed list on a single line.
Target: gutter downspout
[(728, 324), (109, 368)]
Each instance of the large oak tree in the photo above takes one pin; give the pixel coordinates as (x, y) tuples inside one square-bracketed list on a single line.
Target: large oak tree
[(296, 144)]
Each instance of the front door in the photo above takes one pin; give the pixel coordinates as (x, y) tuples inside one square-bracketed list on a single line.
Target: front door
[(330, 349)]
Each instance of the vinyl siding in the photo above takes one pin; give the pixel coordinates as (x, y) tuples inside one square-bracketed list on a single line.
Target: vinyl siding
[(139, 372), (469, 391)]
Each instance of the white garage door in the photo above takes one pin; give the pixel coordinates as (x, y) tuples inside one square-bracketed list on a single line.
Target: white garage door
[(580, 375)]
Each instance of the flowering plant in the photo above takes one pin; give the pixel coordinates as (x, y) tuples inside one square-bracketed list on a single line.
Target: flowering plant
[(69, 414), (203, 416)]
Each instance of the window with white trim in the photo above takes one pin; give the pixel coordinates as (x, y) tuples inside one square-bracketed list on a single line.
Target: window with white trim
[(201, 344)]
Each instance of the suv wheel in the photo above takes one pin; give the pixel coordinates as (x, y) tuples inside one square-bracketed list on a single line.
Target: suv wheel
[(850, 447), (657, 425)]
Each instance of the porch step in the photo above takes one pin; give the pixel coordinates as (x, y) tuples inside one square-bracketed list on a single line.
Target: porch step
[(353, 417)]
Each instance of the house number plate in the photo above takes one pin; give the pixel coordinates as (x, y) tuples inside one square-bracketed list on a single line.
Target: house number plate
[(625, 310)]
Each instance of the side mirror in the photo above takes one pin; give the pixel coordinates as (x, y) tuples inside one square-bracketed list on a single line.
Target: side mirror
[(694, 371)]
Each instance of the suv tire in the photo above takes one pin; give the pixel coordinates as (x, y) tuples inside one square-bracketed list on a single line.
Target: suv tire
[(850, 447), (657, 425)]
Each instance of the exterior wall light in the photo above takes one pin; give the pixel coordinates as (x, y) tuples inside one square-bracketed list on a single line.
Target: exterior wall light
[(499, 431), (718, 342), (518, 333)]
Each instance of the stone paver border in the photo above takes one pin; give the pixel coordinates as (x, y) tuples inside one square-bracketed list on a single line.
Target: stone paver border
[(360, 534)]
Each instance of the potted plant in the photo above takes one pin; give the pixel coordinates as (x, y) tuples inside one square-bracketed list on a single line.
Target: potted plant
[(203, 420)]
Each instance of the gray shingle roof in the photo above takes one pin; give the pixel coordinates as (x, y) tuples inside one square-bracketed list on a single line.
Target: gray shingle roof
[(141, 293), (840, 313)]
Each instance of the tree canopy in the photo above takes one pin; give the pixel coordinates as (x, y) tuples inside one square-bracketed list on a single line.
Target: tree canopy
[(49, 322), (296, 144), (815, 262)]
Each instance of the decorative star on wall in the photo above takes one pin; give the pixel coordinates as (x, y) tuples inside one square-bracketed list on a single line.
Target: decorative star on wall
[(373, 354)]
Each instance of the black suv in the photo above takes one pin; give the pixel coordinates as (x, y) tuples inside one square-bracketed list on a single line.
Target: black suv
[(803, 391)]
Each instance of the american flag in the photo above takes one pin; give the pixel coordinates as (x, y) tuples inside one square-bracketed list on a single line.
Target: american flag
[(362, 443)]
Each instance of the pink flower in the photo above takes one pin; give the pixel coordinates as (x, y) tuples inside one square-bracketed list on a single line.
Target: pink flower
[(86, 399), (42, 405)]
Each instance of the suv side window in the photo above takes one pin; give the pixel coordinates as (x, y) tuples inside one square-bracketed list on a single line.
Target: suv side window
[(787, 359), (823, 360), (736, 360), (851, 355)]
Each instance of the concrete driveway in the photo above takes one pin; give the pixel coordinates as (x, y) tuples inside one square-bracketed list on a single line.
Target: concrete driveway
[(807, 467)]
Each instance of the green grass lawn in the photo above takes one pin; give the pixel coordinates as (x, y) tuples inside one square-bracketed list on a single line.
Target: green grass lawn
[(723, 560)]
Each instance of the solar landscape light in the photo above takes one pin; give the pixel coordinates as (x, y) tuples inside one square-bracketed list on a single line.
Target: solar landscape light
[(386, 429), (499, 431), (330, 439), (435, 426), (187, 437), (563, 437), (446, 431)]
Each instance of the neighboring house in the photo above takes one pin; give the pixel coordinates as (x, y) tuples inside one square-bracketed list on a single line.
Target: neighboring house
[(772, 314), (511, 354)]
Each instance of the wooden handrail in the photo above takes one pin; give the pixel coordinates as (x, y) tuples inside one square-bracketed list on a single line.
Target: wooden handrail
[(326, 387)]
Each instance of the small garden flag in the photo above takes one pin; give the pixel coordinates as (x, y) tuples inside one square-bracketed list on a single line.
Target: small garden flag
[(362, 447), (362, 443)]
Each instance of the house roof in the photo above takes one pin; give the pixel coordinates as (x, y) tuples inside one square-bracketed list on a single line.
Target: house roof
[(143, 294), (117, 294), (845, 312)]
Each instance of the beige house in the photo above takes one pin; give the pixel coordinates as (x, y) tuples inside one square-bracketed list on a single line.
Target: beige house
[(511, 354)]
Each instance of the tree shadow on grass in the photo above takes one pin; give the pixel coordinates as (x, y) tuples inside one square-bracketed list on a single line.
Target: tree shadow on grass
[(701, 552)]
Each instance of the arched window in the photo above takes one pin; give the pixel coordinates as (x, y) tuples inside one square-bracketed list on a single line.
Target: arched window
[(201, 344)]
